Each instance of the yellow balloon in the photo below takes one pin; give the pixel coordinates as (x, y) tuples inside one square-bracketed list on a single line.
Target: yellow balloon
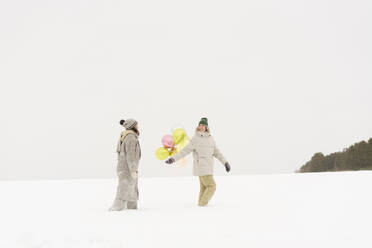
[(178, 149), (162, 153), (183, 144), (178, 135)]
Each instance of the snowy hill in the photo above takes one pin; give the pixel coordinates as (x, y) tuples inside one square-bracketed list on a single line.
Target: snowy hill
[(294, 210)]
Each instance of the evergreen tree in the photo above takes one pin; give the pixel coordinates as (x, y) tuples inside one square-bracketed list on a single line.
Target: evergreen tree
[(356, 157)]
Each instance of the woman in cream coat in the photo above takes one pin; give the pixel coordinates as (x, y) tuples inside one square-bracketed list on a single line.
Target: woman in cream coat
[(204, 150)]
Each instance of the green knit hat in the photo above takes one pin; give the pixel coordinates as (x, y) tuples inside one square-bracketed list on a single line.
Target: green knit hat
[(204, 121)]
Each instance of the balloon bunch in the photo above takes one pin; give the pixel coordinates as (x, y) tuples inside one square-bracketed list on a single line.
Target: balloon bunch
[(172, 144)]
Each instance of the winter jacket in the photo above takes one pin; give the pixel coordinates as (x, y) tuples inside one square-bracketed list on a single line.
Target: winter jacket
[(204, 149), (129, 154)]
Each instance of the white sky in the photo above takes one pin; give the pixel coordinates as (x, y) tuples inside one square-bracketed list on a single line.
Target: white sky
[(278, 80)]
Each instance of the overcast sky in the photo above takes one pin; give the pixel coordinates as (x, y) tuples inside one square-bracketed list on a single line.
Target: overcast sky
[(278, 80)]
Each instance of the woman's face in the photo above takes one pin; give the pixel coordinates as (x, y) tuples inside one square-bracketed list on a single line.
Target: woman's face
[(202, 128)]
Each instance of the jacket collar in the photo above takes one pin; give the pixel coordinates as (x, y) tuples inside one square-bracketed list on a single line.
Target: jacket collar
[(202, 134), (125, 133)]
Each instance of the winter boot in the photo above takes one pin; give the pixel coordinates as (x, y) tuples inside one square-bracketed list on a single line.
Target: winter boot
[(132, 205), (119, 205)]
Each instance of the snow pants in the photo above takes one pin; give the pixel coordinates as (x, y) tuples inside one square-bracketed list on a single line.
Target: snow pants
[(207, 189)]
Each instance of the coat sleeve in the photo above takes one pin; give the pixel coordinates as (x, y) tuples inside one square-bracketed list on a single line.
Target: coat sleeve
[(118, 147), (217, 154), (185, 151), (131, 156)]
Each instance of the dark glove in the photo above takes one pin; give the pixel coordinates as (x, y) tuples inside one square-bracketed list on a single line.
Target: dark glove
[(170, 161), (227, 166)]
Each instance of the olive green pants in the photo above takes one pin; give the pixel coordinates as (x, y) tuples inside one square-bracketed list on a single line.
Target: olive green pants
[(207, 189)]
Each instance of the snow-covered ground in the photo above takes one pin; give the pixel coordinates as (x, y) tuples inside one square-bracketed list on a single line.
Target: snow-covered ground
[(294, 210)]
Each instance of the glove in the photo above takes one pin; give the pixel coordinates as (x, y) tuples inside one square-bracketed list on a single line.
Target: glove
[(134, 175), (170, 161), (227, 166)]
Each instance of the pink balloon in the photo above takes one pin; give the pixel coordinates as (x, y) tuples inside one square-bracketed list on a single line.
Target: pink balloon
[(167, 141)]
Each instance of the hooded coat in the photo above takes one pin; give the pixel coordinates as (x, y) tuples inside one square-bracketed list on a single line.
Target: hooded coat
[(204, 149), (129, 154)]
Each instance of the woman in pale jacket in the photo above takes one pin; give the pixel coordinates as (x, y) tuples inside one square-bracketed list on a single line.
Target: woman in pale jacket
[(129, 154), (204, 149)]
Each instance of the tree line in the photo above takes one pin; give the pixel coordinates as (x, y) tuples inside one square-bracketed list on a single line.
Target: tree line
[(355, 157)]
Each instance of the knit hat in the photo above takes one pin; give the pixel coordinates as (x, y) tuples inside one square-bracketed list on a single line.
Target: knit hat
[(204, 121), (128, 124)]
